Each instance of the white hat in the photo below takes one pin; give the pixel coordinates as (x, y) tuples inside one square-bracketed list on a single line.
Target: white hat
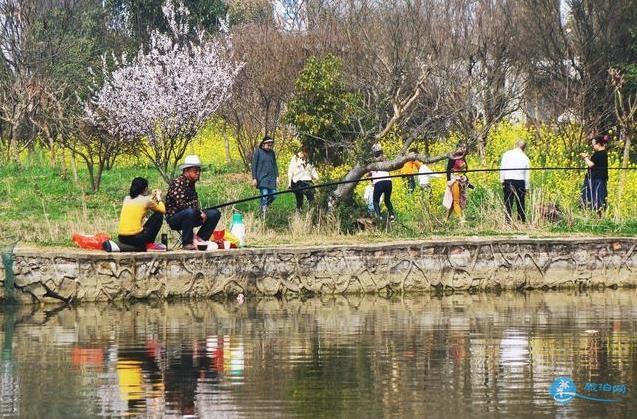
[(377, 148), (190, 161)]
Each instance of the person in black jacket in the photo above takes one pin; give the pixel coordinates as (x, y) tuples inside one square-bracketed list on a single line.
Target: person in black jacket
[(265, 173), (594, 190)]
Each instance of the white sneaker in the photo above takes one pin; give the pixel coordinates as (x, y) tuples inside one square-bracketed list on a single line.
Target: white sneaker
[(110, 246)]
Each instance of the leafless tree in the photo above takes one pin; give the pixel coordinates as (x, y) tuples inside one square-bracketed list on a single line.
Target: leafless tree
[(393, 58), (291, 15), (486, 78), (273, 59), (626, 114), (96, 148), (51, 116), (567, 48), (167, 93), (36, 53), (19, 87)]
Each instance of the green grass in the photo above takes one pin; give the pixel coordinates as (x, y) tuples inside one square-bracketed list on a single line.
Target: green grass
[(43, 205)]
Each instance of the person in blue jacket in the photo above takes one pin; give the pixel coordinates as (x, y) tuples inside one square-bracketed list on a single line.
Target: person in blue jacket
[(265, 173)]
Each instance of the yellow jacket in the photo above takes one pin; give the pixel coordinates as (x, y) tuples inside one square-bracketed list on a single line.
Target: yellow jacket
[(133, 210), (411, 167)]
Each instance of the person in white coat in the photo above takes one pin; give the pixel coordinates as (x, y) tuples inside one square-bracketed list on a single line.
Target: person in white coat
[(301, 174), (382, 186), (516, 179), (425, 176)]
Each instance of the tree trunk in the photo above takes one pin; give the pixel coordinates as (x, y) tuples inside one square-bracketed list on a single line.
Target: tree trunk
[(54, 156), (97, 180), (164, 173), (52, 148), (110, 161), (344, 191), (226, 143), (63, 168), (91, 174), (12, 147), (625, 161), (74, 168), (482, 147), (243, 153), (627, 144)]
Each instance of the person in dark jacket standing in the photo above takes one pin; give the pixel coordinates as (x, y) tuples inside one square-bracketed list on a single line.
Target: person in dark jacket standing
[(594, 190), (265, 173)]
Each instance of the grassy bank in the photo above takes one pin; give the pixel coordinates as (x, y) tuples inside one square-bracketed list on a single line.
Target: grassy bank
[(42, 206)]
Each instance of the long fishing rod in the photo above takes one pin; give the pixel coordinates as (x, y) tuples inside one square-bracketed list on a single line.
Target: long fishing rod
[(344, 182)]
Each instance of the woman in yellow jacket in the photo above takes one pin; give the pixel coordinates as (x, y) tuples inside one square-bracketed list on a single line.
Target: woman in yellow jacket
[(131, 230)]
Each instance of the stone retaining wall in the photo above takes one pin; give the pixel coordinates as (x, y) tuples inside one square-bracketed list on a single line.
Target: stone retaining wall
[(49, 276)]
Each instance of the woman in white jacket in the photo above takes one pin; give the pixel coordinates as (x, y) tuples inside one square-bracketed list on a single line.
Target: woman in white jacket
[(301, 174)]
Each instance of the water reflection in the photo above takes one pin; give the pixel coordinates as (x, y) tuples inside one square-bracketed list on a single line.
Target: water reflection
[(8, 379), (480, 355)]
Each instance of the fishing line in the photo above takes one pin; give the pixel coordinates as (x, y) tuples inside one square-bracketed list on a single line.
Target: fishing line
[(344, 182)]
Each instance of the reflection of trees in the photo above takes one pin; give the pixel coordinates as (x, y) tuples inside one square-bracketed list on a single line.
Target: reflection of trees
[(359, 356)]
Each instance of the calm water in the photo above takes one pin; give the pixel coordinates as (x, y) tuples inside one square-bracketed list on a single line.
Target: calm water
[(463, 356)]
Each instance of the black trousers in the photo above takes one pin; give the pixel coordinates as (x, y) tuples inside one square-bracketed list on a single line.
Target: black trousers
[(147, 235), (186, 219), (411, 184), (383, 187), (309, 193), (514, 190)]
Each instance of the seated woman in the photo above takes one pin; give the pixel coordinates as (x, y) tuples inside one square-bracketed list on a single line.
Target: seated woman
[(135, 206)]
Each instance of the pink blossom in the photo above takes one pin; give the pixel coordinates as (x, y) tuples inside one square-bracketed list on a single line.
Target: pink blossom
[(168, 91)]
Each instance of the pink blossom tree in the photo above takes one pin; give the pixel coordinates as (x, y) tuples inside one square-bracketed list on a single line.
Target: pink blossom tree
[(160, 99)]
